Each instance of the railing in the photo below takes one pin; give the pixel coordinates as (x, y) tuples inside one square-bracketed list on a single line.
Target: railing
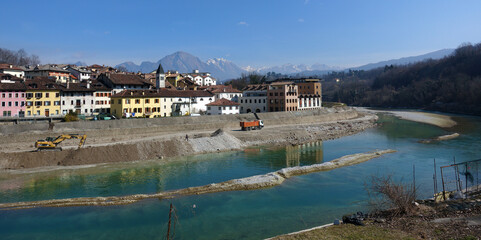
[(463, 177)]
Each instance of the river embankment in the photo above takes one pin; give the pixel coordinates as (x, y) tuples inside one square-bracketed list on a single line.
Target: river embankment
[(147, 139)]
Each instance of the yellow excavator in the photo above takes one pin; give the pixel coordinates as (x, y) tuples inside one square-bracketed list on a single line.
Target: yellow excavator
[(50, 143)]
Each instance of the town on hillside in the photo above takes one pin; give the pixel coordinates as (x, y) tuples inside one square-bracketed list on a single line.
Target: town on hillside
[(54, 91)]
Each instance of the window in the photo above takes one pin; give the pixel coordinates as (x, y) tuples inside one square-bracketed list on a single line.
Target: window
[(23, 95), (29, 95), (38, 95), (47, 103), (71, 102), (56, 103), (147, 100), (223, 108), (56, 112), (29, 113), (3, 95), (3, 104), (219, 108), (157, 100), (208, 108), (9, 95), (38, 112), (47, 95), (29, 103), (137, 101), (16, 95), (38, 103), (119, 101), (127, 101), (230, 108), (9, 104)]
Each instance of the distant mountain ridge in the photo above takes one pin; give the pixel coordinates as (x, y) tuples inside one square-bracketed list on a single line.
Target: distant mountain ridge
[(183, 62), (407, 60), (223, 69)]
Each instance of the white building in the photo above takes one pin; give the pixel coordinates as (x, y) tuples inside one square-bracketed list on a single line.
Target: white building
[(12, 70), (102, 96), (201, 79), (309, 102), (78, 98), (222, 107), (186, 102), (224, 91), (81, 73), (254, 99)]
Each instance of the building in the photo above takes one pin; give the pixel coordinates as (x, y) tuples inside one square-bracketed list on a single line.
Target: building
[(159, 103), (78, 98), (224, 91), (96, 70), (142, 103), (201, 78), (222, 107), (12, 70), (80, 73), (119, 82), (191, 102), (180, 82), (282, 96), (49, 71), (254, 98), (12, 92), (102, 96), (42, 97), (310, 93)]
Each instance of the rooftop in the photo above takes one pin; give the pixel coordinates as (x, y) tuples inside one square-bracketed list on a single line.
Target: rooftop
[(223, 102)]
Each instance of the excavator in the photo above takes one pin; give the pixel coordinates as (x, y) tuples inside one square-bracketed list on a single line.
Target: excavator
[(50, 143)]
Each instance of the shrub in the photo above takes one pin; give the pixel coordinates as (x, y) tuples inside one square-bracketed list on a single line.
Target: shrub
[(71, 117), (397, 197)]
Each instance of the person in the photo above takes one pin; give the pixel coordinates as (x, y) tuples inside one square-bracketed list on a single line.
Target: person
[(186, 137)]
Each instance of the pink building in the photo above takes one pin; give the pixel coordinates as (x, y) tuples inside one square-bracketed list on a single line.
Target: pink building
[(12, 96)]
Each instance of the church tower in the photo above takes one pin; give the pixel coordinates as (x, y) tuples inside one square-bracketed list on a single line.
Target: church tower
[(160, 77)]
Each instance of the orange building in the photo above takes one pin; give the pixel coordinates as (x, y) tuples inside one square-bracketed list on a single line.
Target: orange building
[(282, 96)]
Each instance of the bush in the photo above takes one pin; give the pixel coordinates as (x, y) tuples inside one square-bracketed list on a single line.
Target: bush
[(71, 117), (397, 197)]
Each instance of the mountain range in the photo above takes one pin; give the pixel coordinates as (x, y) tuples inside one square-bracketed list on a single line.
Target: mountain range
[(223, 69), (183, 62)]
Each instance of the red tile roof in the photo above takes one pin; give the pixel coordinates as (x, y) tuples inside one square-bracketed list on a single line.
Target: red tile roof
[(162, 93), (223, 102), (6, 66), (222, 89), (126, 79)]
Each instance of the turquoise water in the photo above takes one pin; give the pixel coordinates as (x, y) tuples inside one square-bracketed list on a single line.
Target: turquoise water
[(300, 202)]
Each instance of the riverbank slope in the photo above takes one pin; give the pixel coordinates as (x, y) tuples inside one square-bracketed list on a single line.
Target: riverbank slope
[(146, 139)]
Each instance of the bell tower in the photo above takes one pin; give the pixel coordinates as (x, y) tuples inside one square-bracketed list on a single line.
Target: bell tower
[(160, 77)]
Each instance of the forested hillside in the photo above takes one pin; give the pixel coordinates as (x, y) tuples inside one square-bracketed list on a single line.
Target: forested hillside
[(451, 84)]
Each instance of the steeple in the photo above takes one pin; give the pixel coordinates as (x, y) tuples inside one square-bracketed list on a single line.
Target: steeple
[(160, 77)]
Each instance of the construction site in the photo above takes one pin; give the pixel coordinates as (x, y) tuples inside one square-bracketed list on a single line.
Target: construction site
[(147, 139)]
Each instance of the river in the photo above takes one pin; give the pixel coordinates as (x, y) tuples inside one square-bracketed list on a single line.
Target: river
[(300, 202)]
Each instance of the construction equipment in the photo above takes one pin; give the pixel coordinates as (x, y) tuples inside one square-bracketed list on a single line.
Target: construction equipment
[(252, 125), (50, 143)]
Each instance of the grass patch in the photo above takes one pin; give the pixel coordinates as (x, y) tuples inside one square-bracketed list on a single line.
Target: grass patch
[(349, 231)]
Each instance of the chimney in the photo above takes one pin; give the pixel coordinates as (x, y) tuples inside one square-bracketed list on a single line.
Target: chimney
[(88, 84), (11, 66), (68, 84), (131, 93), (143, 93)]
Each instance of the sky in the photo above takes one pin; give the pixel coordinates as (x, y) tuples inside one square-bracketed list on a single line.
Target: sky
[(257, 33)]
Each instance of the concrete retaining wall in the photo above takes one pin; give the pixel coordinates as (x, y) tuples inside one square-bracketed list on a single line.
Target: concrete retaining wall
[(189, 123)]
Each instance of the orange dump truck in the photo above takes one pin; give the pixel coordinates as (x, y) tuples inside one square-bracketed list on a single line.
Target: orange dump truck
[(252, 125)]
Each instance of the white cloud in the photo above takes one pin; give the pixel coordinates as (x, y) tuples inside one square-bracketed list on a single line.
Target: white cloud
[(242, 23), (301, 20)]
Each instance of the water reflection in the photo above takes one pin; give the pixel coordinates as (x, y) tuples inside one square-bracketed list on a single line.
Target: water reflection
[(305, 154)]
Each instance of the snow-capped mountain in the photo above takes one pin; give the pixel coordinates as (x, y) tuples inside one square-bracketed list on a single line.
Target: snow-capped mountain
[(183, 62)]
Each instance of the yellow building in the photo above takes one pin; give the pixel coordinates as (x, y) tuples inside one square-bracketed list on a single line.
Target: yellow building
[(142, 103), (42, 98)]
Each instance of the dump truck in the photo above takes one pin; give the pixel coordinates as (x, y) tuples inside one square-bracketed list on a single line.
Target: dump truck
[(252, 125), (50, 143)]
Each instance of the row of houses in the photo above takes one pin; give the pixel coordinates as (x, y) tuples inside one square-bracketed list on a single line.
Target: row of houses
[(130, 95)]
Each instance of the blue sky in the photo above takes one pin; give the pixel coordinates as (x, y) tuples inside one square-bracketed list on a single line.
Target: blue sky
[(249, 32)]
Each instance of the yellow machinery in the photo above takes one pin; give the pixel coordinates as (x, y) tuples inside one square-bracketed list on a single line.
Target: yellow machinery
[(50, 143)]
